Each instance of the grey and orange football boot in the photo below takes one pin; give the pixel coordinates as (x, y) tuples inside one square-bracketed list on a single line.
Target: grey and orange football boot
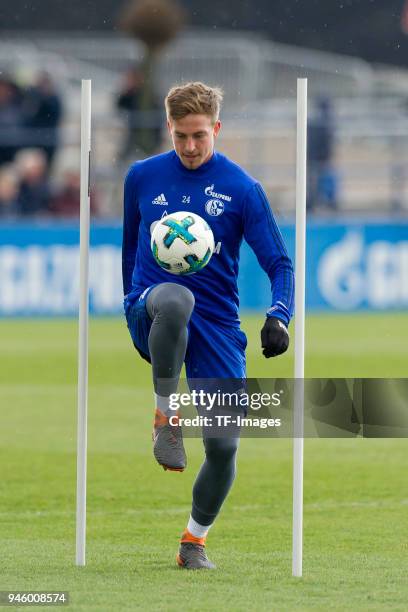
[(168, 447), (191, 554)]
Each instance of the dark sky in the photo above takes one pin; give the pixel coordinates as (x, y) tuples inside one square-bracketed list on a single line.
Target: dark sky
[(366, 28)]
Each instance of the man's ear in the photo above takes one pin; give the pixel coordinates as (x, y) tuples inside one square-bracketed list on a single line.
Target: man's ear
[(169, 126), (217, 127)]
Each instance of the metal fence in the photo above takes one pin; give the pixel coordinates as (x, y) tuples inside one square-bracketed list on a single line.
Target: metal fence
[(248, 67)]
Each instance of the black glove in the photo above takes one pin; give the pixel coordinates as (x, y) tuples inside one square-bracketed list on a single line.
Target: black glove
[(274, 337)]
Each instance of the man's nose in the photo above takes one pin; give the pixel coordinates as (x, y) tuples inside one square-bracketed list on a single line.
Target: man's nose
[(190, 144)]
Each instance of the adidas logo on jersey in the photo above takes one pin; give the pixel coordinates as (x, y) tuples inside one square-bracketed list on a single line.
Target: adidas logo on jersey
[(160, 200)]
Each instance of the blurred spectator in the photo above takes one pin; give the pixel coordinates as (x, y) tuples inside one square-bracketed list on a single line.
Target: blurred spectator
[(322, 181), (8, 193), (10, 119), (34, 193), (142, 109), (42, 110), (66, 200)]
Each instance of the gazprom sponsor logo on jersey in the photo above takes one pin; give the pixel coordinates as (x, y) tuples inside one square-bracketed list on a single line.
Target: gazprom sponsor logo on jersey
[(209, 191), (353, 273), (214, 208)]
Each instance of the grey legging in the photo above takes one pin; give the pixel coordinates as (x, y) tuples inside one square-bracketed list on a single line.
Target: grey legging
[(170, 306)]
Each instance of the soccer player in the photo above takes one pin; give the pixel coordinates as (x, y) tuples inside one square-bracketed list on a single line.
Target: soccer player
[(194, 319)]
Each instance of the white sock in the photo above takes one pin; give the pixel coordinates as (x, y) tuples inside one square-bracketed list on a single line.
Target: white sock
[(163, 404), (197, 530)]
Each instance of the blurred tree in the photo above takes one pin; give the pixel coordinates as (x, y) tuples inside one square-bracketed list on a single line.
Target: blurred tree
[(372, 29), (155, 23)]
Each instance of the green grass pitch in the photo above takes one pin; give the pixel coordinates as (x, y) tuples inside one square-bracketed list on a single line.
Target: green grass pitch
[(356, 496)]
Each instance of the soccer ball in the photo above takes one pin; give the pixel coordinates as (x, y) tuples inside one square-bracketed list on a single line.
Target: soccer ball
[(182, 243)]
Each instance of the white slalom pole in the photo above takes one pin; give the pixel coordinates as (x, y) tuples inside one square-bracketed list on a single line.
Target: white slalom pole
[(83, 321), (301, 140)]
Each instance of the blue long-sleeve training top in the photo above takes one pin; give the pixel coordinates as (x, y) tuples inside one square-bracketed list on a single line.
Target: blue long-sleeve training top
[(233, 204)]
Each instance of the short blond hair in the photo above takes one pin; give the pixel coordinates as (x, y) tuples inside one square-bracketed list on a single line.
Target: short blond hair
[(193, 98)]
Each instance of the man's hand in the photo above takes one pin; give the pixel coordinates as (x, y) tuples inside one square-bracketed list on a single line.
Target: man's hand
[(274, 337)]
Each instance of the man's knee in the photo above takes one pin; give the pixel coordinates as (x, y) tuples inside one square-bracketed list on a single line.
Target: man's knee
[(221, 450), (172, 302), (179, 305)]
